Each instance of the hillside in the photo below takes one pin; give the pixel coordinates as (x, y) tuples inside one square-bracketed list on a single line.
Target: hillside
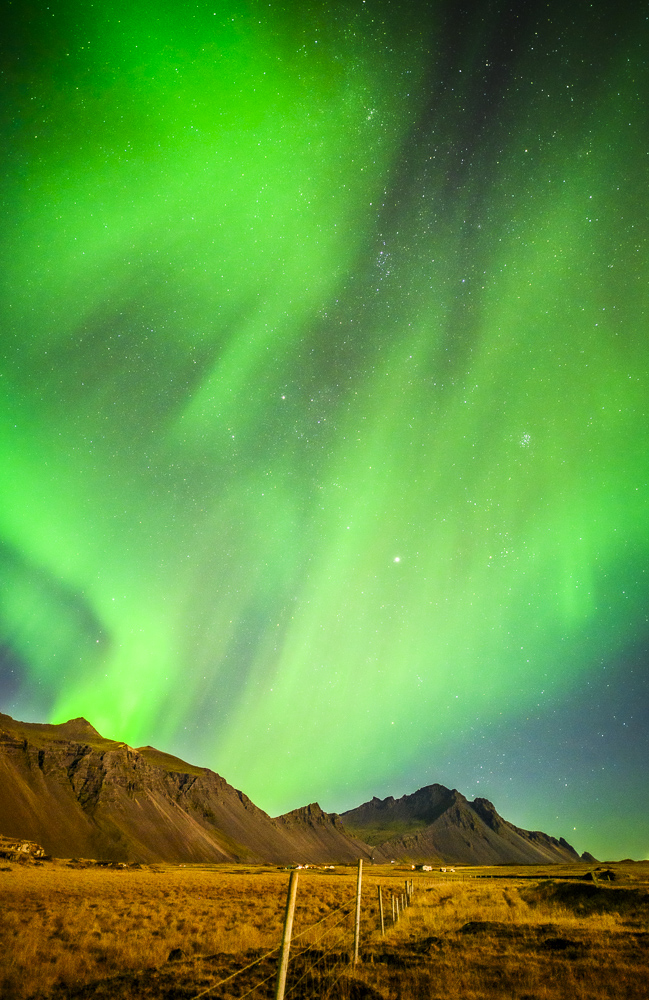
[(78, 794), (440, 823)]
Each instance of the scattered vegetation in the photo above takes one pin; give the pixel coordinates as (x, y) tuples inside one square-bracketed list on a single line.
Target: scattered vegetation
[(69, 930), (498, 938)]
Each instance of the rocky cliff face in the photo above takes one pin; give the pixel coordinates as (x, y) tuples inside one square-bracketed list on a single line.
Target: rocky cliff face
[(440, 823), (78, 794)]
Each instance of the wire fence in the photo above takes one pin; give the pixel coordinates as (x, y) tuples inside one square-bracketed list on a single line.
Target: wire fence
[(323, 952), (310, 963)]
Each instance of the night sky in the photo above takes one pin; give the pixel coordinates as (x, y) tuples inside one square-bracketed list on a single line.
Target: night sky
[(324, 352)]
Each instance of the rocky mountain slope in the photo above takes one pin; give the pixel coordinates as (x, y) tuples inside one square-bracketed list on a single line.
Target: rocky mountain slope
[(440, 823), (81, 795)]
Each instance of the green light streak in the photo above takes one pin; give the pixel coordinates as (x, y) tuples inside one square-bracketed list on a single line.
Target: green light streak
[(316, 438)]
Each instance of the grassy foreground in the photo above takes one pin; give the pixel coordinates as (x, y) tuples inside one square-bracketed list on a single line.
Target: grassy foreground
[(69, 930)]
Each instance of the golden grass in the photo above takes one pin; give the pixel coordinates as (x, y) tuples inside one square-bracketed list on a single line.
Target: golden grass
[(70, 926), (62, 927), (521, 939)]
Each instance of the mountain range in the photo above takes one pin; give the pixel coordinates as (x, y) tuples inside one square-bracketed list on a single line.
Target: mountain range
[(79, 794)]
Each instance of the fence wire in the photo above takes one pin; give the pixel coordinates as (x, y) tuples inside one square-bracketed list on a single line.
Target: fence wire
[(239, 972), (321, 954), (312, 968)]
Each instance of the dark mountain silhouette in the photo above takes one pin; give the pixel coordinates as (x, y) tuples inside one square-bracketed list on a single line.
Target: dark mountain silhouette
[(440, 823), (81, 795)]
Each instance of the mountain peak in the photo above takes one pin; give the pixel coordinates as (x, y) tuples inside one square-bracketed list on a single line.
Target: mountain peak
[(440, 822), (79, 725), (305, 814), (170, 810), (67, 788), (486, 810), (78, 729)]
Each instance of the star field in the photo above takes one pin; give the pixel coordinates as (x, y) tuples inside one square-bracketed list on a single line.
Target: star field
[(323, 408)]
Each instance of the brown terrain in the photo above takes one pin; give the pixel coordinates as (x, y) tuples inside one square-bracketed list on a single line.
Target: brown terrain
[(111, 931), (131, 925), (78, 794), (439, 823)]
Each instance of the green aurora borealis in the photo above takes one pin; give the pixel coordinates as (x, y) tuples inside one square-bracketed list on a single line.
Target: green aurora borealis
[(323, 410)]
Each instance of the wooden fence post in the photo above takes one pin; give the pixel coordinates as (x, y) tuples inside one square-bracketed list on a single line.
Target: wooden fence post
[(280, 985), (393, 917), (357, 921), (378, 889)]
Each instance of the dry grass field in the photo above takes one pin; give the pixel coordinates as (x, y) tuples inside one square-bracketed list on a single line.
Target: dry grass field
[(173, 932)]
